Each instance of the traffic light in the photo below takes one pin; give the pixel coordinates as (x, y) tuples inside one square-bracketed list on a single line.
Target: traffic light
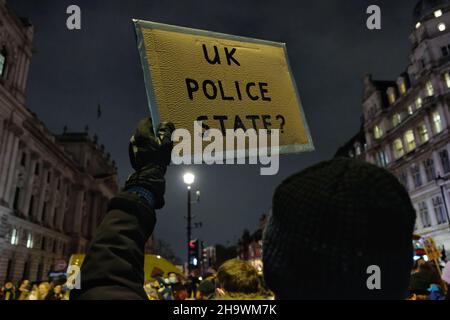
[(194, 253)]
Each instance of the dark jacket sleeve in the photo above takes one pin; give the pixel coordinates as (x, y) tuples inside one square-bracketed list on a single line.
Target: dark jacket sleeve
[(114, 264)]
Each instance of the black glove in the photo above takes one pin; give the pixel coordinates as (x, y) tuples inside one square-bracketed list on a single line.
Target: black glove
[(150, 156)]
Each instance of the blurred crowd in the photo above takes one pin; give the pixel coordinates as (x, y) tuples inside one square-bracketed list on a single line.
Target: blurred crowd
[(234, 280)]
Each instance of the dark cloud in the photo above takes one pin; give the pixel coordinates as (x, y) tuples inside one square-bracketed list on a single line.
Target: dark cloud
[(329, 47)]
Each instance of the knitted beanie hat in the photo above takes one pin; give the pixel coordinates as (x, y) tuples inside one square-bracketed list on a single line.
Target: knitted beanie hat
[(329, 224)]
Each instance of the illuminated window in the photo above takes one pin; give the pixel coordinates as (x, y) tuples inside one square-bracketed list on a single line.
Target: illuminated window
[(396, 119), (402, 87), (437, 123), (398, 148), (377, 132), (409, 139), (14, 237), (2, 63), (418, 102), (438, 13), (403, 178), (430, 89), (391, 97), (447, 79), (410, 109), (30, 240), (441, 27), (423, 133)]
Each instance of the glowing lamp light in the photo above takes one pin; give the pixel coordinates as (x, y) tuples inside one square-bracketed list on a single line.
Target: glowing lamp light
[(438, 13), (442, 27), (418, 24), (188, 178)]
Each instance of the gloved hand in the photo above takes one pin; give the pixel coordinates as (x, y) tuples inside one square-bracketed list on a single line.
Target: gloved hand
[(150, 156)]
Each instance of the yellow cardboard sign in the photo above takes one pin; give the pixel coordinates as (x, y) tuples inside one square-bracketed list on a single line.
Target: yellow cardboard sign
[(225, 81)]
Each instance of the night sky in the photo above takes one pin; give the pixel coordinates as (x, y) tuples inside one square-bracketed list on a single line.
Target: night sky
[(329, 47)]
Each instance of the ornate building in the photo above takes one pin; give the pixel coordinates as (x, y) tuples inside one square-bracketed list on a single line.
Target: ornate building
[(406, 122), (53, 188)]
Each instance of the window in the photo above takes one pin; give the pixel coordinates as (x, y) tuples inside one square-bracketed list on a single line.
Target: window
[(430, 89), (409, 139), (381, 159), (31, 209), (423, 214), (423, 133), (429, 169), (403, 178), (23, 159), (44, 212), (14, 237), (30, 240), (44, 243), (16, 199), (358, 150), (410, 109), (36, 169), (49, 177), (418, 102), (417, 178), (3, 63), (377, 132), (447, 79), (439, 210), (396, 119), (445, 160), (437, 123), (444, 51), (402, 87), (398, 148), (58, 184), (391, 97)]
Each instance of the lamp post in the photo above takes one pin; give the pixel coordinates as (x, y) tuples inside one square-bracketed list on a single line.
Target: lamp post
[(441, 182), (189, 179)]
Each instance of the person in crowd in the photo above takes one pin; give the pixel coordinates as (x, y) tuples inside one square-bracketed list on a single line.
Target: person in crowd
[(238, 280), (328, 227), (151, 290), (24, 290), (40, 292), (180, 292), (205, 290), (446, 279), (55, 293), (8, 291), (424, 278), (333, 213), (417, 265)]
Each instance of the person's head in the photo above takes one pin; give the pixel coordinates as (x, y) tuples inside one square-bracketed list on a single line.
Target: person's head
[(57, 289), (180, 292), (339, 230), (205, 290), (172, 277), (418, 263), (43, 289), (9, 285), (237, 277), (25, 283)]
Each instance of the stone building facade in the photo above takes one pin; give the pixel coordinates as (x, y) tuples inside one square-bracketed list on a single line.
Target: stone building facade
[(406, 122), (54, 189)]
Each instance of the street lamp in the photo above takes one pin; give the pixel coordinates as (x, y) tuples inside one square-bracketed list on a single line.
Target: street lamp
[(441, 183), (189, 179)]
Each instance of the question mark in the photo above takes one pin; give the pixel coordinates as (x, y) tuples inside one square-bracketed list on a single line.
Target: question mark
[(283, 121)]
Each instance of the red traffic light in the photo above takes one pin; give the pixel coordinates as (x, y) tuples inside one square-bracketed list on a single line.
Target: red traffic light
[(193, 244)]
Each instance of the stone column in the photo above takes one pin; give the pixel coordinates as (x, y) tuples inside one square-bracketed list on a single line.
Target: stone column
[(6, 154), (53, 195), (78, 209), (43, 194), (29, 178), (63, 206)]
